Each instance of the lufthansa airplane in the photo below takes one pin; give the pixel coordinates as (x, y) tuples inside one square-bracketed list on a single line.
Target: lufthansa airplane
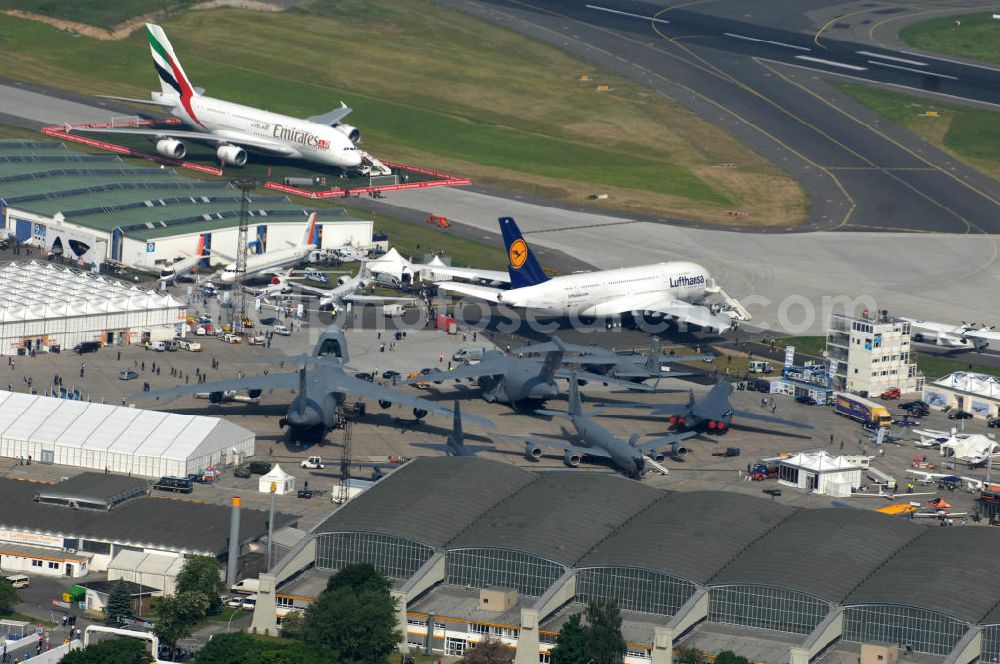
[(676, 289), (235, 128)]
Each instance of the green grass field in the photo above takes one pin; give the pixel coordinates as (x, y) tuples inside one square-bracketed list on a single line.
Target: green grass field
[(95, 12), (978, 37), (970, 134), (441, 89)]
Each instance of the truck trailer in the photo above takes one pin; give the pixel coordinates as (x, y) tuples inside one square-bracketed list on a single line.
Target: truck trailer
[(862, 410)]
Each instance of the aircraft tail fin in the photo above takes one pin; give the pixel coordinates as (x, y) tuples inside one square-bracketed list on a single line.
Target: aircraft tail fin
[(553, 360), (653, 359), (308, 232), (575, 405), (173, 81), (522, 266), (302, 388)]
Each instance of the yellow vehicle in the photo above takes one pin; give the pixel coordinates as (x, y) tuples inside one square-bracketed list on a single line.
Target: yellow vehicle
[(423, 385), (247, 322)]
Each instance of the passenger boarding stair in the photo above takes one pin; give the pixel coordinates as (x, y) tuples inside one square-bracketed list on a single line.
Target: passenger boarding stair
[(374, 166)]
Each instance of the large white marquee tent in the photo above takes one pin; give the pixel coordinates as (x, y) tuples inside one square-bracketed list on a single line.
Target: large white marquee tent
[(96, 436), (42, 305)]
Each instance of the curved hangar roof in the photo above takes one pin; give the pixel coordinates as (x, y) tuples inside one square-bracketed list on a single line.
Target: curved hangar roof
[(559, 516), (430, 499), (691, 535), (823, 552)]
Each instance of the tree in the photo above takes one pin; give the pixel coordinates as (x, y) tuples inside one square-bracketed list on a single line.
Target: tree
[(571, 643), (688, 656), (176, 615), (605, 643), (241, 648), (111, 651), (8, 595), (119, 603), (490, 651), (292, 625), (729, 657), (203, 574), (353, 621)]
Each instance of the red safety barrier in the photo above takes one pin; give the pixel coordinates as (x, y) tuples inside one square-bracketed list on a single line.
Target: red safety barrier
[(728, 164), (57, 132)]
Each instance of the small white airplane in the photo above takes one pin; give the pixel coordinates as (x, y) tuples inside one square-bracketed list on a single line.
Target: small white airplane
[(967, 335), (279, 284), (676, 289), (345, 292), (174, 271), (235, 128), (273, 262)]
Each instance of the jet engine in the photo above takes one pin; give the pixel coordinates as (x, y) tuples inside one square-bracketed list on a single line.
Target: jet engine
[(719, 426), (678, 451), (215, 397), (231, 155), (419, 413), (532, 451), (171, 147), (571, 458), (349, 131), (385, 404), (657, 456), (254, 394)]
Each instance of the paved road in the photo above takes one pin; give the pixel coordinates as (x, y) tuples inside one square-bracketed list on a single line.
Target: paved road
[(859, 173)]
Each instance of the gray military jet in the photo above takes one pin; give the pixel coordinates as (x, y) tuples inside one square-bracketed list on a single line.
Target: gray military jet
[(599, 443), (455, 445), (318, 406), (516, 381), (633, 368), (712, 413)]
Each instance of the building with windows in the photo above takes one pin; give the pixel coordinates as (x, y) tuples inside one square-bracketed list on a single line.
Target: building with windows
[(871, 354), (478, 548)]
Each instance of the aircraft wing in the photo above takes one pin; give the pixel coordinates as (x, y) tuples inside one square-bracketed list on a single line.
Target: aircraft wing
[(376, 298), (750, 415), (332, 117), (475, 274), (281, 381), (244, 140), (185, 265), (598, 378), (563, 445), (470, 450), (695, 314), (467, 371), (650, 445), (482, 292), (596, 354)]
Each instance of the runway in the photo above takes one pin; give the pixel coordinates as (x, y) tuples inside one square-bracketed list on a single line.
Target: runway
[(860, 172)]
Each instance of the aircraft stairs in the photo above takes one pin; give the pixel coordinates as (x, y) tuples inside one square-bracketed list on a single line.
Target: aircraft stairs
[(375, 166), (660, 468)]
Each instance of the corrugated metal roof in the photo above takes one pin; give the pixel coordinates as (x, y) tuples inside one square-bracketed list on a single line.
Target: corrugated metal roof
[(953, 570), (691, 534), (113, 428), (430, 499), (559, 516), (164, 523), (824, 552)]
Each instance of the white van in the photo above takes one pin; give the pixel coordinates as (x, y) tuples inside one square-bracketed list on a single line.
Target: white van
[(19, 580), (468, 355)]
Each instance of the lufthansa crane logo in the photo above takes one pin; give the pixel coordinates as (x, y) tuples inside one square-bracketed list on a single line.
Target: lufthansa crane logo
[(518, 253)]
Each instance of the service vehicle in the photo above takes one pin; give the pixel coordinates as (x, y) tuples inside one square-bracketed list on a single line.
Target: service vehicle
[(364, 375), (175, 484), (19, 580), (157, 346), (313, 462), (861, 410), (391, 375), (916, 408), (764, 471), (282, 330), (760, 366), (250, 586), (171, 345), (468, 355), (390, 310), (87, 347)]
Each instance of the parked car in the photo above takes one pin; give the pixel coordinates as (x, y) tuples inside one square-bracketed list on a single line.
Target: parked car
[(282, 330), (87, 347), (993, 422), (192, 346), (313, 462), (128, 374), (364, 375), (271, 320), (960, 415), (232, 338), (391, 375), (891, 393), (805, 399), (19, 580), (172, 345), (242, 470), (260, 467), (916, 408)]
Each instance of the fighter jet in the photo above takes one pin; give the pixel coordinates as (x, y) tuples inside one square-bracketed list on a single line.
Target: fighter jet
[(712, 413), (512, 380), (599, 443), (634, 368), (455, 445), (345, 292), (318, 406)]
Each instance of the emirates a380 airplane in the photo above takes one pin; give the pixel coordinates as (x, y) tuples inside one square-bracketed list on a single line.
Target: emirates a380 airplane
[(235, 128)]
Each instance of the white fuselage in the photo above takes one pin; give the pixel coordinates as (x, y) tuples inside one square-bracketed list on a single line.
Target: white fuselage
[(584, 294), (309, 140), (272, 261)]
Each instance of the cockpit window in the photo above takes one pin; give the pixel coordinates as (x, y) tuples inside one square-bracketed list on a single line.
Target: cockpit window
[(330, 347)]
